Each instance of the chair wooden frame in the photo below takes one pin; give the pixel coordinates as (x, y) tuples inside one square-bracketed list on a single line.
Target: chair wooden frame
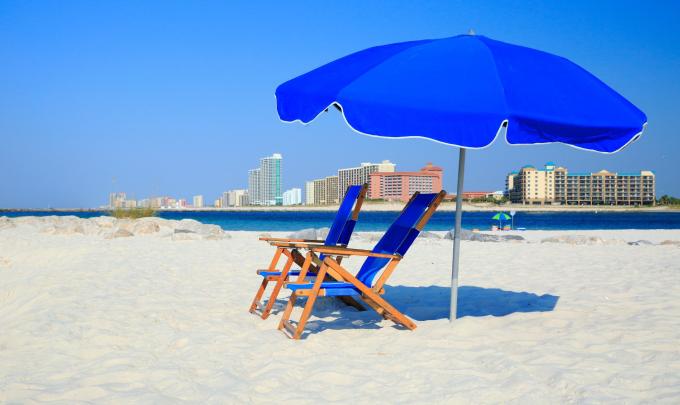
[(290, 248), (333, 268)]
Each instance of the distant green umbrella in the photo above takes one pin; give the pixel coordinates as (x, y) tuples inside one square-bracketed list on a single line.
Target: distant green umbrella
[(500, 216)]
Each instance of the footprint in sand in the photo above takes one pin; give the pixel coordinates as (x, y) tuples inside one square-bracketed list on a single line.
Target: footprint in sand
[(181, 343)]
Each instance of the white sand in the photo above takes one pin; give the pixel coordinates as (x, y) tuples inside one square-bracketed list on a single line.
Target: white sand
[(151, 319)]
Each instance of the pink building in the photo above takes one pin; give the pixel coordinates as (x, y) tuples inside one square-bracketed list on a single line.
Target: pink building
[(401, 185)]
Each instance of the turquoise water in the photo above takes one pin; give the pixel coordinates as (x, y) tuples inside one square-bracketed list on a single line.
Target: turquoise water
[(378, 221)]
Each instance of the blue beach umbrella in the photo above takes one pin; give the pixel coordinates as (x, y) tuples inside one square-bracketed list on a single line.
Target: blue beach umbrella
[(465, 91)]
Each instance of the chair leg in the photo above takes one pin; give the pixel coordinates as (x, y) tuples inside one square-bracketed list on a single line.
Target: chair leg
[(263, 286), (289, 309), (277, 287), (256, 301), (307, 311)]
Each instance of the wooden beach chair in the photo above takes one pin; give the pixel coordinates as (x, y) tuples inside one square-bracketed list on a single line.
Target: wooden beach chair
[(384, 257), (338, 236)]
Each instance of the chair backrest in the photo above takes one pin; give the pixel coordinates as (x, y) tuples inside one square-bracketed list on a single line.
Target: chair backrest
[(401, 234), (346, 217)]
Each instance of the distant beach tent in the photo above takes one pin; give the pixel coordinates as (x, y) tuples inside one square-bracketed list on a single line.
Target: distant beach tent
[(500, 217), (465, 91)]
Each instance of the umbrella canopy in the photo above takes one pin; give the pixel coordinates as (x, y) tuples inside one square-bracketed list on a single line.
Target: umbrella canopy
[(465, 91), (501, 215)]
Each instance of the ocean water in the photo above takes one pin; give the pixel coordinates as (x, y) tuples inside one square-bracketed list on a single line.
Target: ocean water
[(379, 221)]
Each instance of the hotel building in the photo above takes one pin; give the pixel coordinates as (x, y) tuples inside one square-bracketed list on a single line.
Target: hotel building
[(330, 190), (555, 185), (292, 197), (319, 187), (234, 198), (253, 187), (332, 193), (309, 192), (361, 174), (264, 183), (402, 185), (198, 201)]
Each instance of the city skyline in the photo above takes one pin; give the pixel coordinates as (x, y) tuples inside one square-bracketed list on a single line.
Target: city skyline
[(182, 112), (386, 183)]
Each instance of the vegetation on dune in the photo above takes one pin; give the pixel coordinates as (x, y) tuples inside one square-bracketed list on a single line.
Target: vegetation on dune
[(132, 213), (492, 200), (668, 200)]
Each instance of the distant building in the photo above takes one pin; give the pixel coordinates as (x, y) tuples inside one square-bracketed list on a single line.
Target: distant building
[(117, 200), (474, 195), (319, 192), (555, 185), (198, 201), (309, 192), (235, 198), (292, 197), (402, 185), (158, 202), (332, 192), (360, 175), (254, 187), (218, 203), (264, 183)]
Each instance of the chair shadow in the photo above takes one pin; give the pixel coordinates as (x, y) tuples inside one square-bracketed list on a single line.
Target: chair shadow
[(432, 303)]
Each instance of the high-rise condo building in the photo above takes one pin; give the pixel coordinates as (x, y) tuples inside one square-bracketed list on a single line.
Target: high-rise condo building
[(319, 192), (402, 185), (331, 190), (292, 197), (234, 198), (555, 185), (264, 183), (270, 180), (332, 193), (254, 187), (309, 192), (360, 175), (198, 201)]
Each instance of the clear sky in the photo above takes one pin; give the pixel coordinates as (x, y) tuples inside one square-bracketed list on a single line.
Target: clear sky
[(177, 97)]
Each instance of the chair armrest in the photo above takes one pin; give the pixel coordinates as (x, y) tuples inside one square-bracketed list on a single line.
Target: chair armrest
[(296, 245), (343, 251), (270, 240)]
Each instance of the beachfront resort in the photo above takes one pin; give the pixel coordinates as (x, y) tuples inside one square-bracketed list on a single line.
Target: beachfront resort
[(552, 185), (555, 185)]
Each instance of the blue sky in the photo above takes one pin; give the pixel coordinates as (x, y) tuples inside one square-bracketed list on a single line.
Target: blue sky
[(177, 97)]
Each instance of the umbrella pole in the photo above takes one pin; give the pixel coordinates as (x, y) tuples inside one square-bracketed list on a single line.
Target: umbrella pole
[(456, 236)]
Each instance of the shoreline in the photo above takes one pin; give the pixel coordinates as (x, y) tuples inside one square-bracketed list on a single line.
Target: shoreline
[(368, 206)]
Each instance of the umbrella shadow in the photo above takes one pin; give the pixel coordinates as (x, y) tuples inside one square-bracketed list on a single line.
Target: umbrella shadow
[(432, 302)]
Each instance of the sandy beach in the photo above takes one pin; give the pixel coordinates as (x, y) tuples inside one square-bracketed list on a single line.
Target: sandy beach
[(156, 311)]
